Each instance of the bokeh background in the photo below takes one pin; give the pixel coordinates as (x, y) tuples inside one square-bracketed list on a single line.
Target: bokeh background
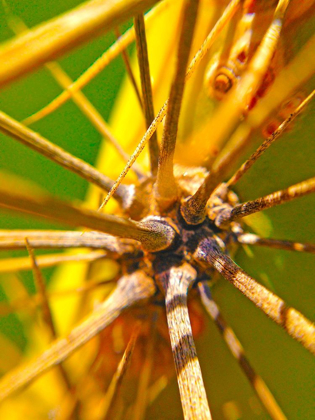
[(287, 368)]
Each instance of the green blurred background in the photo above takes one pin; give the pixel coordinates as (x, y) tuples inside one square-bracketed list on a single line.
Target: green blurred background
[(287, 368)]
